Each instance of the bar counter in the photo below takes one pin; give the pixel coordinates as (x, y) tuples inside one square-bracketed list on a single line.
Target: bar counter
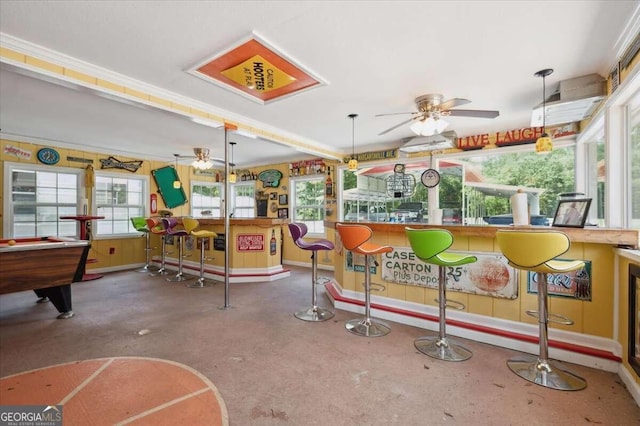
[(592, 340), (255, 247)]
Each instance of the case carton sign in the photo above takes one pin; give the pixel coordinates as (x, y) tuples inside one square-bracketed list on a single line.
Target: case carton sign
[(250, 242), (491, 275)]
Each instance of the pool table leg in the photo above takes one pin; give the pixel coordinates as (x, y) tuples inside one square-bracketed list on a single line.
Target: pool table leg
[(60, 296)]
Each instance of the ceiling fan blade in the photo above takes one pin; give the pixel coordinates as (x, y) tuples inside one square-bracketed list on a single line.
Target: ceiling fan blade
[(473, 113), (397, 125), (452, 103), (397, 113)]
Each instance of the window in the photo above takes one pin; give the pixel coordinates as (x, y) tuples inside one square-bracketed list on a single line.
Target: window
[(206, 197), (634, 156), (118, 199), (307, 204), (39, 196), (244, 200)]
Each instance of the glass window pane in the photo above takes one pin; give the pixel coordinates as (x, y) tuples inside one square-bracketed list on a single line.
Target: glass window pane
[(47, 195), (634, 151), (67, 196)]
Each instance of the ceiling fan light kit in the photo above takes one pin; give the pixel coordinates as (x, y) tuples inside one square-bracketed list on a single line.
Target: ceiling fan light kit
[(353, 163), (544, 144), (202, 159), (430, 110)]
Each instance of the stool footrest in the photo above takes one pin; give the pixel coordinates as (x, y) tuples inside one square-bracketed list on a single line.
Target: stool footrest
[(457, 305), (377, 287), (556, 318)]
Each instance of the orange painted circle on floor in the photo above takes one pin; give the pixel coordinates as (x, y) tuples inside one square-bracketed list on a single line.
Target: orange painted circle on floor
[(127, 390)]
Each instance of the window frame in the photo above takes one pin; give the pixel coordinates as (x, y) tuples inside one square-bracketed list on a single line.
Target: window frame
[(293, 181), (220, 208), (96, 235), (233, 187), (9, 167)]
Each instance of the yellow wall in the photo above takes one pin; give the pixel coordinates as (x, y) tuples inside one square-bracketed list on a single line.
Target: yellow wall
[(112, 253)]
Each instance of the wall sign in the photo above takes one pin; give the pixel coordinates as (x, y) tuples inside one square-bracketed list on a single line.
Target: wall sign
[(17, 152), (250, 242), (270, 178), (574, 284), (114, 163), (491, 275)]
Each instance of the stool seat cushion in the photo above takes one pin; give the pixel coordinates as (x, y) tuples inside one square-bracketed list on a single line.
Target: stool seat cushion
[(536, 250), (139, 224), (173, 227), (204, 234), (355, 238), (299, 230), (429, 245), (155, 226)]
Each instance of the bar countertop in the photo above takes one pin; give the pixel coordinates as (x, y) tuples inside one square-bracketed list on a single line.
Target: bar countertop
[(627, 238)]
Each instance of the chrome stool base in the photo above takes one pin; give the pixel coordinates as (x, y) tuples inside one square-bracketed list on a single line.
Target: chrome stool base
[(314, 314), (200, 283), (178, 278), (147, 268), (544, 374), (161, 271), (442, 349), (370, 328)]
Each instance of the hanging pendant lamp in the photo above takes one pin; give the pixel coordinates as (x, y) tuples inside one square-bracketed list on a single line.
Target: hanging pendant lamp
[(176, 183), (232, 174), (544, 144), (353, 163)]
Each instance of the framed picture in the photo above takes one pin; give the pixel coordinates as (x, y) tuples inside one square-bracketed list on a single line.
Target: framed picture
[(283, 200), (273, 195), (634, 320), (283, 213), (572, 213)]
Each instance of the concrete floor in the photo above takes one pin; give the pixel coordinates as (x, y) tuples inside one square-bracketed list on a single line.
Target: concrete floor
[(273, 369)]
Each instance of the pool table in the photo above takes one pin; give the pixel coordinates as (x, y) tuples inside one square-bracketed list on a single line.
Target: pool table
[(46, 264)]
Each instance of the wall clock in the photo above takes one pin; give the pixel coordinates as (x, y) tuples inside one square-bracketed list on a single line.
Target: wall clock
[(48, 156), (430, 178)]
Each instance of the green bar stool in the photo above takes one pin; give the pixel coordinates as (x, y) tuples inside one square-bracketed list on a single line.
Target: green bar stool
[(140, 224), (355, 238), (536, 251), (429, 245), (191, 225)]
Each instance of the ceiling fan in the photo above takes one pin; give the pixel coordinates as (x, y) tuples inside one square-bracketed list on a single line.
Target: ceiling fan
[(202, 159), (431, 109)]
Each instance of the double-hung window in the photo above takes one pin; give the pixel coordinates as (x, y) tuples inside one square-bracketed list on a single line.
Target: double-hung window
[(118, 198), (35, 198), (307, 195), (206, 199), (243, 199)]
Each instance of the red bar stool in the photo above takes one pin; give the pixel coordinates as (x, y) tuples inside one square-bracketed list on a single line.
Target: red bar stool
[(536, 251), (314, 313), (156, 227), (191, 225), (429, 245), (355, 238)]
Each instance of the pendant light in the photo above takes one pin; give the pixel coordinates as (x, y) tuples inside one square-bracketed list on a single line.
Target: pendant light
[(176, 183), (544, 144), (353, 163), (232, 174)]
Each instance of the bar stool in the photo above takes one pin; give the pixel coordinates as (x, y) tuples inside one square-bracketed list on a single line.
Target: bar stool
[(173, 228), (355, 238), (429, 245), (536, 251), (155, 226), (140, 224), (190, 225), (314, 313)]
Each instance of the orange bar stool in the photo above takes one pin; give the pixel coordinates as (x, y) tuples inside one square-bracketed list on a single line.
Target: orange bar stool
[(139, 223), (536, 251), (429, 245), (155, 226), (191, 225), (173, 228), (314, 313), (355, 238)]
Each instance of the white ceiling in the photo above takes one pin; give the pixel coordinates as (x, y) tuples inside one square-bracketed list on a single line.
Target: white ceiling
[(376, 56)]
